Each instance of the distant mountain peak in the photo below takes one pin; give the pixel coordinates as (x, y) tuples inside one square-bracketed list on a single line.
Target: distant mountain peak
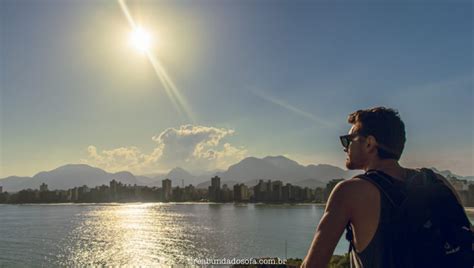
[(69, 176), (250, 158), (75, 166), (70, 167), (179, 172), (178, 169), (123, 172), (276, 157), (282, 162), (250, 169)]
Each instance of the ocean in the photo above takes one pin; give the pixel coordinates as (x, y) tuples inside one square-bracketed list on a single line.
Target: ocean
[(150, 234)]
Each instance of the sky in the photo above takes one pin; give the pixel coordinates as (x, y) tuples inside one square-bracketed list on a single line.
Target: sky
[(224, 80)]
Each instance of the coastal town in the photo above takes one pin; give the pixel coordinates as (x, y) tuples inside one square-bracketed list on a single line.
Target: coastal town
[(265, 191)]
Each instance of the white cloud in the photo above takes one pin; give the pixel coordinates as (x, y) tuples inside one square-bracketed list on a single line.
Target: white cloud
[(192, 147), (118, 159)]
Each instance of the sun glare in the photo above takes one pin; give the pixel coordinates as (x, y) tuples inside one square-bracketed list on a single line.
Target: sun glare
[(141, 39)]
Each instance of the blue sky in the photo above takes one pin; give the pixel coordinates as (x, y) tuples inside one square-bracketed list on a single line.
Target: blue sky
[(258, 78)]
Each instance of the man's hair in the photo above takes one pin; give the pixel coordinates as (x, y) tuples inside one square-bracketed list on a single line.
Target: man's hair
[(387, 128)]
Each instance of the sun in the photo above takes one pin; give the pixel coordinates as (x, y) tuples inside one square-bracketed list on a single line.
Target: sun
[(141, 39)]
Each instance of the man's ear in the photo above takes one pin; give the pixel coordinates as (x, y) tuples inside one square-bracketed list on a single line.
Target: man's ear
[(371, 143)]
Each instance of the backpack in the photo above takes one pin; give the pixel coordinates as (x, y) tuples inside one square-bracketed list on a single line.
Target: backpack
[(428, 226)]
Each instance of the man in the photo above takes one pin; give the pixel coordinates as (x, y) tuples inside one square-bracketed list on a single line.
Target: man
[(375, 142)]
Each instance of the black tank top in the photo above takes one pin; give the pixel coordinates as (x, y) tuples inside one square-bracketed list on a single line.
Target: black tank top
[(378, 251), (375, 254)]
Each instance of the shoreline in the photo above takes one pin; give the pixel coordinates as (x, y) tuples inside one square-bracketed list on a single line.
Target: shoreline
[(174, 203), (469, 210)]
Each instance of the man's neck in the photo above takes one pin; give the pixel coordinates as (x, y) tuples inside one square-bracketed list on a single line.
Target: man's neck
[(388, 166)]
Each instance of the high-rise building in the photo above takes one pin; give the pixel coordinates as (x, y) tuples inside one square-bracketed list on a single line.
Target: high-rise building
[(178, 194), (307, 194), (287, 193), (73, 194), (319, 195), (190, 193), (113, 186), (259, 191), (263, 191), (215, 189), (226, 194), (166, 190), (241, 193), (216, 182), (277, 191), (297, 193), (43, 187)]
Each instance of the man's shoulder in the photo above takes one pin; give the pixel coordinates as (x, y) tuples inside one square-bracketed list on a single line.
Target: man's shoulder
[(356, 186), (354, 194)]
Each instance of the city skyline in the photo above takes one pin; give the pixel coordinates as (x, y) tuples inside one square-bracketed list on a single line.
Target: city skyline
[(249, 79), (265, 191)]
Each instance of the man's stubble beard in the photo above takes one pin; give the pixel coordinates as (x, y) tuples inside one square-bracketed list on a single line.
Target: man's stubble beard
[(352, 165), (349, 165)]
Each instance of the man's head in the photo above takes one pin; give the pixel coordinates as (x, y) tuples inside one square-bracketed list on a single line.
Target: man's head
[(376, 134)]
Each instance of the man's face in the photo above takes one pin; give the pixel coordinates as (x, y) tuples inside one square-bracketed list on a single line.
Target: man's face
[(356, 153)]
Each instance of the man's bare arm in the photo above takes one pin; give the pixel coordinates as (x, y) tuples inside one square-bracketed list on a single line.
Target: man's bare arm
[(330, 228)]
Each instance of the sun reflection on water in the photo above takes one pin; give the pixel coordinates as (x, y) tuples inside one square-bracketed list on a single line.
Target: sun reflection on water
[(144, 234), (158, 234)]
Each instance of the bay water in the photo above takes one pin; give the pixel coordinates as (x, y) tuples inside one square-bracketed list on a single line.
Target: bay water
[(150, 234)]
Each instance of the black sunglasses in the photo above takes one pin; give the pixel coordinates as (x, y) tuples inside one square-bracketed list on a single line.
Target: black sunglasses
[(347, 139)]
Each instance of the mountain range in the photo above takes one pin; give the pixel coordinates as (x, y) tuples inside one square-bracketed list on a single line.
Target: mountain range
[(247, 171)]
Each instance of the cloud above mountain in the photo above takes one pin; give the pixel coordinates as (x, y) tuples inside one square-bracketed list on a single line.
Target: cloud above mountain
[(193, 147)]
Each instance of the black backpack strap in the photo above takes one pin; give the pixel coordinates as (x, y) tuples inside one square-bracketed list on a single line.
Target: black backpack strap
[(388, 186)]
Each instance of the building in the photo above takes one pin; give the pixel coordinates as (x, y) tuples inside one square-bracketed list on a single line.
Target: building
[(215, 189), (190, 193), (216, 182), (241, 193), (166, 190), (319, 195), (1, 189), (43, 187), (277, 191), (113, 186), (138, 190), (297, 193), (307, 194), (116, 188), (287, 193), (82, 191), (262, 191), (177, 194), (72, 194), (226, 194)]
